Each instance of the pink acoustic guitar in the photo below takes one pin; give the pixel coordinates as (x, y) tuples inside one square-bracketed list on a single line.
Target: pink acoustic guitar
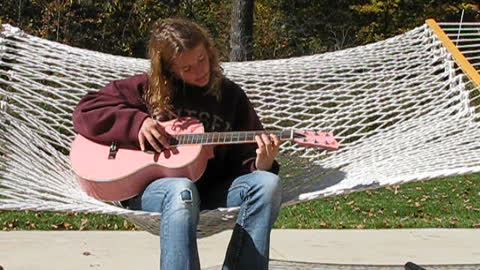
[(109, 173)]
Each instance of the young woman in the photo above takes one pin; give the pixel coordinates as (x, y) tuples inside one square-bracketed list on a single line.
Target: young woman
[(185, 79)]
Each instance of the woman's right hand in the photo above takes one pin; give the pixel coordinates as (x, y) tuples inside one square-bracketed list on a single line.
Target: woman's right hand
[(152, 132)]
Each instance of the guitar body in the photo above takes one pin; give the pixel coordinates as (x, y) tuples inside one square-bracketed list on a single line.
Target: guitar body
[(131, 170)]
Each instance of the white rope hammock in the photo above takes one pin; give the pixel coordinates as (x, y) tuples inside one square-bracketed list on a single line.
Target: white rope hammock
[(402, 110)]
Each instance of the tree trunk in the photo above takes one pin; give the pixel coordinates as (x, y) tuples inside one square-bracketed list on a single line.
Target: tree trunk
[(241, 33)]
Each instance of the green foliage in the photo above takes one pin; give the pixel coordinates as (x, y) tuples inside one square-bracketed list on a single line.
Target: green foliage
[(378, 20), (303, 27), (283, 28), (112, 26)]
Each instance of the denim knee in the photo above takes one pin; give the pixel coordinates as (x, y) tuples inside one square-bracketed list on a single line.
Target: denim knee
[(170, 194), (269, 185)]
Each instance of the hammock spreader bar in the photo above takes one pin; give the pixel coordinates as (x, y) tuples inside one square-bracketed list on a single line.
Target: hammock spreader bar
[(458, 56)]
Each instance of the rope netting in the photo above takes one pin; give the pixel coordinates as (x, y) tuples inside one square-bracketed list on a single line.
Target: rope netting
[(402, 110)]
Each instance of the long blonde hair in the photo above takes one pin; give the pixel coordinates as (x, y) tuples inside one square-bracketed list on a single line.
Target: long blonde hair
[(168, 39)]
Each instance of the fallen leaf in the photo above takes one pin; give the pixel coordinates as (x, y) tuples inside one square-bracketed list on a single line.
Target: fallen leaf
[(84, 222), (12, 223), (30, 225), (62, 226)]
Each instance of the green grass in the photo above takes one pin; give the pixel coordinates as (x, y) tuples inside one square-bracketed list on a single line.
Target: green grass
[(440, 203), (29, 220)]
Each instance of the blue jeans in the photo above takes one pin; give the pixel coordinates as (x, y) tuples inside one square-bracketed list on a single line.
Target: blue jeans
[(259, 196)]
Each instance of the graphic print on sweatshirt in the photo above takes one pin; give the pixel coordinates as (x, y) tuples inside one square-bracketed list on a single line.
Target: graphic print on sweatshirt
[(211, 122)]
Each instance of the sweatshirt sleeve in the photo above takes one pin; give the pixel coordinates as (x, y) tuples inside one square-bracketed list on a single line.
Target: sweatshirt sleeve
[(247, 120), (114, 113)]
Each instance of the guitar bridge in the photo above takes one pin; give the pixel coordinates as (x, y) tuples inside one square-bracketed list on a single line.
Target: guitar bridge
[(112, 153)]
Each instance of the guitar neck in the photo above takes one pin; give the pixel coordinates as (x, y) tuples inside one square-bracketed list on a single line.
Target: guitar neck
[(234, 137)]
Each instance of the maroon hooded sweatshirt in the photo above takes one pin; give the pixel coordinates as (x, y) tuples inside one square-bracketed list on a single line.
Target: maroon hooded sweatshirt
[(117, 111)]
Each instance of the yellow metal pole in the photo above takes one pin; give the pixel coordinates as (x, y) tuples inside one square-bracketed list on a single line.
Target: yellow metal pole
[(462, 62)]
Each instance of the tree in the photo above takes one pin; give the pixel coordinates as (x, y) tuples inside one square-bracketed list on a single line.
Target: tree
[(241, 36)]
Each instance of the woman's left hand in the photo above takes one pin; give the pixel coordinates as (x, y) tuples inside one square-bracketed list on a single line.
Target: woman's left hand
[(268, 147)]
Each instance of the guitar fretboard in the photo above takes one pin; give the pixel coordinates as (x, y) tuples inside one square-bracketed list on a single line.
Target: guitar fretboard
[(234, 137)]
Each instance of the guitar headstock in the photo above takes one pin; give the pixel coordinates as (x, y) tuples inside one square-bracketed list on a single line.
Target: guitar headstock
[(316, 138)]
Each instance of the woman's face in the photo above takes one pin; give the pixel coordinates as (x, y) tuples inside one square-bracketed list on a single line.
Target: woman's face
[(193, 66)]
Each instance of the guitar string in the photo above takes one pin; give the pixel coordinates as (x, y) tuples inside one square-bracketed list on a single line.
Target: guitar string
[(225, 137)]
